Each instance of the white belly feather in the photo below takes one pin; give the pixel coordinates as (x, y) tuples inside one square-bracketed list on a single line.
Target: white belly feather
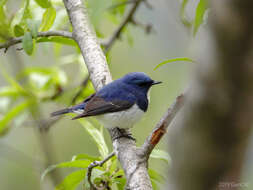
[(122, 119)]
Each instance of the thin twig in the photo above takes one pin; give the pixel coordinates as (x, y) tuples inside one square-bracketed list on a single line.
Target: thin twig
[(95, 164), (128, 18), (14, 41), (162, 126)]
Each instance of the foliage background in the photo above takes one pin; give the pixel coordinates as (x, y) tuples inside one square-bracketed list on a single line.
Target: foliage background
[(22, 155)]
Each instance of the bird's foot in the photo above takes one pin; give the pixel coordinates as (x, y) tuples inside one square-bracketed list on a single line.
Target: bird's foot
[(122, 133)]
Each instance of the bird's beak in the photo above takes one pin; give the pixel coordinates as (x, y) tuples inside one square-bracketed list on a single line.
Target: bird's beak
[(156, 82)]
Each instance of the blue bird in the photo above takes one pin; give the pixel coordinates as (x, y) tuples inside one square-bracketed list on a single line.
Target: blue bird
[(119, 104)]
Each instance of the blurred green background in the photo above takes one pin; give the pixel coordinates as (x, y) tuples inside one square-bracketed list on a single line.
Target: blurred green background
[(22, 152)]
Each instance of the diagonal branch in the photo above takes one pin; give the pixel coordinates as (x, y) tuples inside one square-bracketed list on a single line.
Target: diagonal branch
[(14, 41), (162, 126), (127, 19)]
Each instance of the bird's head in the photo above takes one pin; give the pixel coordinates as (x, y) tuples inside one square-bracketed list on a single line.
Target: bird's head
[(139, 80)]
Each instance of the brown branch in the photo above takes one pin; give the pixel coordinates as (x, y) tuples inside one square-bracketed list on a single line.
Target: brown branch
[(127, 19), (95, 164), (14, 41), (161, 127)]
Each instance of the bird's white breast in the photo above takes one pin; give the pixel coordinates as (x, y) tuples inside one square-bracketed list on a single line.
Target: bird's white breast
[(123, 119)]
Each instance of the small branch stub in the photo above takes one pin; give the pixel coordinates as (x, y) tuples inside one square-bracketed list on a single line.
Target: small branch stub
[(95, 164)]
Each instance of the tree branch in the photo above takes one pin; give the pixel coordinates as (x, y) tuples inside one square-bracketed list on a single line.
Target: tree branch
[(95, 164), (127, 19), (132, 160), (14, 41), (85, 37), (162, 126)]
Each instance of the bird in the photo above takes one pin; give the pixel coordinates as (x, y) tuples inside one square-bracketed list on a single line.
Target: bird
[(119, 104)]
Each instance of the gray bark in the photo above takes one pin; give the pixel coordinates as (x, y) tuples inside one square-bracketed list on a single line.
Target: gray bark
[(125, 149)]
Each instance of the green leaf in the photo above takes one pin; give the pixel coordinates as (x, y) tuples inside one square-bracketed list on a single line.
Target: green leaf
[(72, 180), (156, 176), (70, 164), (4, 22), (58, 39), (184, 20), (18, 30), (97, 137), (43, 3), (199, 15), (154, 185), (22, 14), (48, 19), (33, 26), (162, 155), (10, 115), (27, 43), (174, 60)]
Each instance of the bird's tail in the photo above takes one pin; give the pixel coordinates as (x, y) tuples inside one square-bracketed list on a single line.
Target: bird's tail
[(60, 112), (77, 108)]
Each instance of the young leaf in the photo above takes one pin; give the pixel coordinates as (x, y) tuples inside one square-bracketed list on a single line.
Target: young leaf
[(184, 20), (58, 39), (22, 14), (27, 43), (43, 3), (174, 60), (70, 164), (4, 23), (154, 185), (71, 181), (162, 155), (48, 19), (156, 176), (33, 26), (10, 115), (97, 137), (18, 30), (199, 15)]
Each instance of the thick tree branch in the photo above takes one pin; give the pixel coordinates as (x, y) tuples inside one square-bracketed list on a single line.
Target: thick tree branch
[(127, 19), (85, 37), (14, 41)]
